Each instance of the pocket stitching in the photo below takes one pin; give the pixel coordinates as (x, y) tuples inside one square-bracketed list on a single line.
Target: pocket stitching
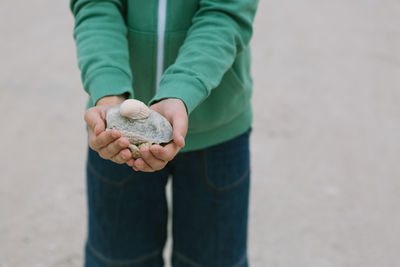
[(226, 188), (239, 93), (108, 181)]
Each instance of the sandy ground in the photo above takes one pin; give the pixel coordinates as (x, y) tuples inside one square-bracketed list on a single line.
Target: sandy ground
[(325, 146)]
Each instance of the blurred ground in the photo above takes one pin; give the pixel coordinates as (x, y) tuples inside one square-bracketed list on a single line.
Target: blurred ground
[(325, 147)]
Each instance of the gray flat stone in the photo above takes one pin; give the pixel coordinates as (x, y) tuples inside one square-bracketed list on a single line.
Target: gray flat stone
[(154, 129)]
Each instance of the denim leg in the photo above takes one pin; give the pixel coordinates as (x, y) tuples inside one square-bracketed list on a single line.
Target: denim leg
[(210, 205), (127, 215)]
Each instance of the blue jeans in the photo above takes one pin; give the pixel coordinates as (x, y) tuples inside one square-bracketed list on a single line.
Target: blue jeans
[(128, 210)]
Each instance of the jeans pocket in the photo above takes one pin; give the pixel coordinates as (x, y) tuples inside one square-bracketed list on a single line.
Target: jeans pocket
[(107, 171), (227, 165)]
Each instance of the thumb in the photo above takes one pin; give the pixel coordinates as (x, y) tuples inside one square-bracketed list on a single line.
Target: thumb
[(94, 120), (179, 126)]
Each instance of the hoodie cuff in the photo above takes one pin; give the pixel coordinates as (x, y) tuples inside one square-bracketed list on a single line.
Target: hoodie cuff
[(108, 81), (186, 88)]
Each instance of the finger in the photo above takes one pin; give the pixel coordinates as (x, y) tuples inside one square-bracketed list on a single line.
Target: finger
[(94, 118), (179, 125), (112, 149), (151, 160), (166, 153), (133, 165), (130, 162), (103, 139), (141, 165), (122, 156)]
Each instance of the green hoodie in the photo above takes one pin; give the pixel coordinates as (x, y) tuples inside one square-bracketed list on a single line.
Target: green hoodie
[(194, 50)]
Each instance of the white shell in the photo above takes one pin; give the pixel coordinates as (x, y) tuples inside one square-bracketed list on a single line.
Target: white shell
[(134, 109)]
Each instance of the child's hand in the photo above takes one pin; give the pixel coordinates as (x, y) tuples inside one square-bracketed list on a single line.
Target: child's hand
[(109, 144), (155, 158)]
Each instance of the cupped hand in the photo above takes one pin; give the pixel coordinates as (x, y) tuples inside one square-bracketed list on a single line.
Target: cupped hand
[(157, 156), (108, 144)]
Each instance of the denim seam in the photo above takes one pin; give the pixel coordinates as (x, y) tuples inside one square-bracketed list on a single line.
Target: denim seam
[(223, 189), (105, 180), (122, 262)]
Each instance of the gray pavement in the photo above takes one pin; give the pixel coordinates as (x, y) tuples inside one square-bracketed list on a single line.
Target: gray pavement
[(325, 143)]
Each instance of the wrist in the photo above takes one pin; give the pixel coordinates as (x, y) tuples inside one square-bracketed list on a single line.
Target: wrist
[(112, 100), (173, 100)]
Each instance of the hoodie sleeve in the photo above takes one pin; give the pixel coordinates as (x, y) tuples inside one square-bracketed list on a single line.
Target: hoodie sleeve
[(102, 47), (220, 30)]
